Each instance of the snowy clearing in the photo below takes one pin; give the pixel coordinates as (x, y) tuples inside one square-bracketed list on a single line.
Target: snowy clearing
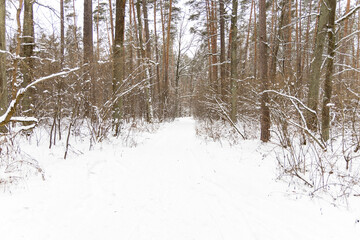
[(172, 186)]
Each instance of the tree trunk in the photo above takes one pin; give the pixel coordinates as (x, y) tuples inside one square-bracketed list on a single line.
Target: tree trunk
[(167, 52), (255, 45), (208, 39), (145, 63), (89, 82), (325, 126), (213, 32), (27, 53), (243, 68), (343, 51), (286, 38), (62, 33), (222, 50), (299, 83), (158, 83), (111, 21), (148, 59), (233, 59), (315, 74), (177, 78), (118, 64), (3, 83), (265, 111)]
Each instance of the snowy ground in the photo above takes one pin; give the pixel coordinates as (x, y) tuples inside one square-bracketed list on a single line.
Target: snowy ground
[(172, 186)]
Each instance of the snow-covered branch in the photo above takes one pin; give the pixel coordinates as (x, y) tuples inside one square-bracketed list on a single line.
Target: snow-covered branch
[(229, 119), (351, 12), (290, 97), (7, 116)]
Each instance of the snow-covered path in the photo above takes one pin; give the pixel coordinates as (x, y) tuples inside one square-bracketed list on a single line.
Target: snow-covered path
[(172, 187)]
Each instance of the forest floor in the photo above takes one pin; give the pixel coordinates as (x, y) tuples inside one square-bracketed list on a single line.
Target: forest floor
[(172, 185)]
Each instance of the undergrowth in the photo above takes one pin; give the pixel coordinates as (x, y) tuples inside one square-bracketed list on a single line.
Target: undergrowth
[(16, 147)]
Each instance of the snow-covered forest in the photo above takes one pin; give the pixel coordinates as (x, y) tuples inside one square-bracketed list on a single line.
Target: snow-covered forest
[(179, 119)]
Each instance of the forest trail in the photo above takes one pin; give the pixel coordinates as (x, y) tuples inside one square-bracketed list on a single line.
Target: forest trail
[(174, 186)]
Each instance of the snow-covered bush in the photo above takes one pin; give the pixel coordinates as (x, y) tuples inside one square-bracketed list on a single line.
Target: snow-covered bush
[(330, 167), (15, 165)]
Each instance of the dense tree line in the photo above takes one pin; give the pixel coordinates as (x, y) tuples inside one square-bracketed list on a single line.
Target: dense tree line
[(277, 59)]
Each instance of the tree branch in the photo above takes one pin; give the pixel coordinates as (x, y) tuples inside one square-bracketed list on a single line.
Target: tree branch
[(7, 116)]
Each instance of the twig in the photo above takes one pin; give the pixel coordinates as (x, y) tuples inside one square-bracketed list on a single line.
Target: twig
[(229, 119)]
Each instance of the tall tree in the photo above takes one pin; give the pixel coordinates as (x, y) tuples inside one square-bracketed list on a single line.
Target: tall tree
[(118, 63), (286, 38), (315, 73), (158, 82), (3, 82), (62, 32), (325, 118), (167, 53), (28, 44), (222, 48), (263, 72), (212, 35), (145, 55), (89, 83), (149, 89), (233, 61)]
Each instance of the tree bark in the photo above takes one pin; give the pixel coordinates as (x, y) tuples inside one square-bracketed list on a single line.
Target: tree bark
[(325, 128), (233, 59), (3, 82), (315, 74), (158, 82), (213, 32), (275, 49), (118, 64), (222, 49), (286, 38), (62, 32), (167, 52), (265, 111), (144, 59), (89, 81), (111, 22), (27, 52), (243, 68)]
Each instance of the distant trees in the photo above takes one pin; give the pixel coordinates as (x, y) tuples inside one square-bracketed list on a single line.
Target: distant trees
[(251, 62)]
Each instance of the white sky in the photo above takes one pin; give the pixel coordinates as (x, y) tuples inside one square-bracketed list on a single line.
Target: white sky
[(46, 16)]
